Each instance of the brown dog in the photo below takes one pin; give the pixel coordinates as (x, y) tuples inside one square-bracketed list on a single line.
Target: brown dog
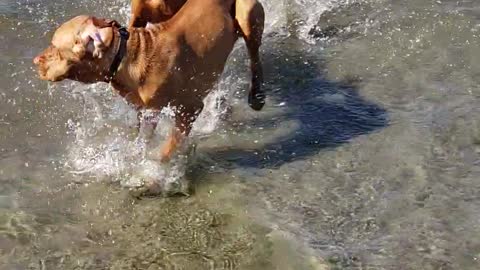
[(174, 63)]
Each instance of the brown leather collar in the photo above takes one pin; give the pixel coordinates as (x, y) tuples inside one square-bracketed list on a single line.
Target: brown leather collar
[(122, 49)]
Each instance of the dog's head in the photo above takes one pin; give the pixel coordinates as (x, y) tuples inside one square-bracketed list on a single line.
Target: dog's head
[(82, 49)]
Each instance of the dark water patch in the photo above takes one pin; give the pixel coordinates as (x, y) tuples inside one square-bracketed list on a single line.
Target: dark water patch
[(326, 113)]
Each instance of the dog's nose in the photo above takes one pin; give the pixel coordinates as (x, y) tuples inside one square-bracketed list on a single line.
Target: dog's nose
[(37, 60)]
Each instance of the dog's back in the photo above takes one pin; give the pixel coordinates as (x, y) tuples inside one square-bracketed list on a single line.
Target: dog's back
[(205, 33), (153, 11), (202, 17)]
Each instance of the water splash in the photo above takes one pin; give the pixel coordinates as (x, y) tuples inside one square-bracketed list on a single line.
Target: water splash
[(106, 145)]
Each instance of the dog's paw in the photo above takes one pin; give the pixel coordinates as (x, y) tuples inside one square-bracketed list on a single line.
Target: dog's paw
[(256, 101), (180, 187), (147, 190)]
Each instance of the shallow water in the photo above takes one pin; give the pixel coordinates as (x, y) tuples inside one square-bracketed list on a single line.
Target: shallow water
[(366, 155)]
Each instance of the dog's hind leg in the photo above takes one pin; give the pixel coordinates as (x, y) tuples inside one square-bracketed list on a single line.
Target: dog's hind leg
[(137, 19), (250, 17)]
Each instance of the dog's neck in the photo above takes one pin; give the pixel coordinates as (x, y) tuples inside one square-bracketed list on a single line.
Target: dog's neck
[(127, 78), (131, 71), (121, 50)]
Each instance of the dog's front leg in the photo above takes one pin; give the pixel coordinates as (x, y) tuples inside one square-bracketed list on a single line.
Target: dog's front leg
[(139, 121), (184, 119), (174, 140), (147, 123)]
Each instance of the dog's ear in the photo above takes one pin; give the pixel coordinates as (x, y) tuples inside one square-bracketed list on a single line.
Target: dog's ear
[(103, 23), (95, 37)]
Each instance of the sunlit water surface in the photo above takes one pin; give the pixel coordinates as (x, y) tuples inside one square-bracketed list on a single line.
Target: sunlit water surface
[(366, 155)]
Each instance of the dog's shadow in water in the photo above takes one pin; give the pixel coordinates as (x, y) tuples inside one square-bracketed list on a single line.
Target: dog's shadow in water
[(327, 114)]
